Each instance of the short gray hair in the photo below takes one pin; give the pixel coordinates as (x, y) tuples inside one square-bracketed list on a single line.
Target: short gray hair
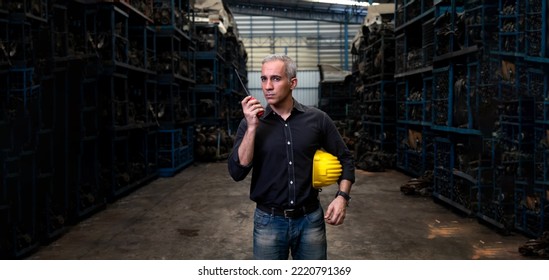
[(291, 67)]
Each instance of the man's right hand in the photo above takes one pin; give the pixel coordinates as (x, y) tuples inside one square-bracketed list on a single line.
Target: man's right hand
[(252, 109)]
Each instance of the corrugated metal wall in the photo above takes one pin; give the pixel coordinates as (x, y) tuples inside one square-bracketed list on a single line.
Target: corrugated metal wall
[(308, 42)]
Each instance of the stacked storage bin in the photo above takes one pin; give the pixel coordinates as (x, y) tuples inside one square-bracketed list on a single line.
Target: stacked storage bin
[(22, 128), (212, 93), (472, 79), (236, 59), (77, 128), (220, 59), (531, 179), (176, 80), (83, 115), (515, 134), (480, 87), (209, 104), (463, 114), (128, 90), (52, 202), (375, 91), (333, 98), (414, 85), (236, 72), (452, 111), (478, 90), (175, 150)]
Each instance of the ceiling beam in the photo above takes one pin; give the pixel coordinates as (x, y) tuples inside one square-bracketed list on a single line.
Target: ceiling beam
[(349, 14)]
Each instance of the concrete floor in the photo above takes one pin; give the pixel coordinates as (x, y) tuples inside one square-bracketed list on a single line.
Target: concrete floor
[(202, 214)]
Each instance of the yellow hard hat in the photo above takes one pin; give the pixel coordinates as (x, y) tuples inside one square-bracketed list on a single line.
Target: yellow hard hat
[(326, 169)]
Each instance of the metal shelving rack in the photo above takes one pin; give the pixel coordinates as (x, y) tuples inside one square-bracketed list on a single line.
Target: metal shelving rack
[(129, 94), (176, 54), (236, 58), (515, 132), (334, 98), (511, 27), (414, 84), (209, 98), (216, 87), (26, 150), (536, 13), (379, 122), (531, 193), (82, 100), (21, 127), (78, 193)]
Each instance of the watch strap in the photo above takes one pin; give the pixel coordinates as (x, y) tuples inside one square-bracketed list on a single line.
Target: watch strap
[(343, 194)]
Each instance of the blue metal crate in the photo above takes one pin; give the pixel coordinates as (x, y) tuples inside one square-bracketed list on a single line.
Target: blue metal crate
[(402, 147), (446, 19), (415, 152), (482, 24), (428, 42), (400, 54), (443, 85), (142, 50), (443, 165), (541, 155), (173, 14), (175, 150), (21, 196), (444, 153), (530, 209), (59, 28), (113, 26), (20, 35), (151, 152), (22, 86), (52, 207), (443, 184), (536, 13), (87, 193), (511, 32), (496, 202), (537, 87), (30, 10), (517, 150)]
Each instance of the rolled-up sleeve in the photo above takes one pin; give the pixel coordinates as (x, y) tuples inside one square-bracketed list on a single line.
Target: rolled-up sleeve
[(237, 171)]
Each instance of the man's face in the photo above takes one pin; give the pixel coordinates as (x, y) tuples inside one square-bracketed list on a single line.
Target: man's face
[(276, 86)]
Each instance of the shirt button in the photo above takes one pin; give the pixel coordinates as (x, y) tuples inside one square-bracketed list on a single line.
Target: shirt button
[(290, 163), (285, 124), (292, 202), (288, 142), (291, 182)]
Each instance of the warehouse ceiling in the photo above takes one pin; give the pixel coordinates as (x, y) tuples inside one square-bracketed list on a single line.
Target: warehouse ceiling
[(342, 11)]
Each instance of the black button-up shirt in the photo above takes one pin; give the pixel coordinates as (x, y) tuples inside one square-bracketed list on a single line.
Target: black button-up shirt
[(283, 156)]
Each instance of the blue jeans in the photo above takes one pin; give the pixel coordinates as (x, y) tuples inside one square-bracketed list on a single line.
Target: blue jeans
[(275, 237)]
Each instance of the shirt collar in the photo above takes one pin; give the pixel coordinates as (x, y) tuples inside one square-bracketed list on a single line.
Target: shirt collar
[(297, 106)]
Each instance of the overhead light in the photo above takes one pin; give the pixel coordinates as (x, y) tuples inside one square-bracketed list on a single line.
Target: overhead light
[(345, 2)]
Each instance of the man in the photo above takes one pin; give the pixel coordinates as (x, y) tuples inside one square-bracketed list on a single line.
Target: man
[(279, 147)]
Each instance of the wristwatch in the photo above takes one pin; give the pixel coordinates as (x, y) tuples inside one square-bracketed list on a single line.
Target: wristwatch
[(344, 195)]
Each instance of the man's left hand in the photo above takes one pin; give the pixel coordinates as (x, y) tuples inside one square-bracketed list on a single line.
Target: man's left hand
[(335, 215)]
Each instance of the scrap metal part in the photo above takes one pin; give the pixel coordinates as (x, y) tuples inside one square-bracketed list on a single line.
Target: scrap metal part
[(536, 247), (419, 186)]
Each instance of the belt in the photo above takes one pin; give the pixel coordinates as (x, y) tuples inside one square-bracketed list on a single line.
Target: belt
[(291, 213)]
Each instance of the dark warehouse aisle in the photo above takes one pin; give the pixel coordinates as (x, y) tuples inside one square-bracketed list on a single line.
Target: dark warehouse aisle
[(200, 213)]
